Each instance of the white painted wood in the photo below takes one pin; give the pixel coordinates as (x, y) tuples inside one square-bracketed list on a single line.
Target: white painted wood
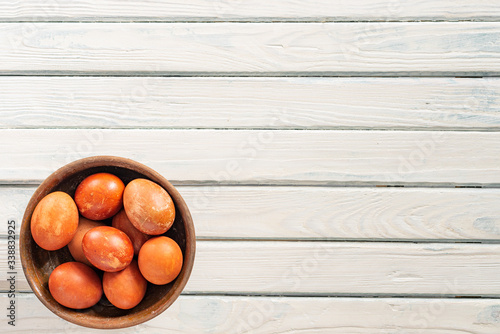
[(346, 268), (267, 315), (267, 156), (331, 154), (325, 103), (460, 48), (324, 213), (254, 10), (335, 268)]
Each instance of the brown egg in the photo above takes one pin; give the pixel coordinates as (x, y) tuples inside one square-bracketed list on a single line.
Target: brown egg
[(121, 222), (160, 260), (99, 196), (148, 206), (54, 221), (75, 285), (75, 245), (126, 288), (108, 248)]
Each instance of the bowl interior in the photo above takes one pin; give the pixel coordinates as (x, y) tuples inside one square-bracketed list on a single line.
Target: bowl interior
[(39, 263)]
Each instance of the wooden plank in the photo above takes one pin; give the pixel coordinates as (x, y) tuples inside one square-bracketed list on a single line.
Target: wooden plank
[(346, 268), (154, 10), (266, 315), (430, 48), (335, 268), (325, 103), (324, 213), (264, 156)]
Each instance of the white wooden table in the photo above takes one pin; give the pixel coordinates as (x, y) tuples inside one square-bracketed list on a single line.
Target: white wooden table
[(341, 159)]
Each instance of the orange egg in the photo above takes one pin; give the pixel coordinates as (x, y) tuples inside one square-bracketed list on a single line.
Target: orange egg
[(108, 248), (75, 245), (160, 260), (54, 221), (75, 285), (99, 196), (126, 288), (121, 222), (148, 206)]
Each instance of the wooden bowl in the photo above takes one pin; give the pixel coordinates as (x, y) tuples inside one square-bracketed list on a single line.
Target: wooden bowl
[(39, 263)]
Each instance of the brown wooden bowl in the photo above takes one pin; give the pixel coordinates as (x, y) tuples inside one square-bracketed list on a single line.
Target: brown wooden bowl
[(39, 263)]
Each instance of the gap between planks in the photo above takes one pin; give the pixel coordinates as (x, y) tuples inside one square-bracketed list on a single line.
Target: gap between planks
[(251, 10), (153, 20), (298, 295), (265, 315), (247, 74)]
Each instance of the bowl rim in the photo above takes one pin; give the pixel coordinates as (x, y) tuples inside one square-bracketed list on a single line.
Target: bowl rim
[(107, 161)]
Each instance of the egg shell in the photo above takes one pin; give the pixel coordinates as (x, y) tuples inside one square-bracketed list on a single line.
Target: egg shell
[(75, 285), (54, 221), (126, 288), (148, 206), (75, 245), (108, 248), (100, 196), (121, 222), (160, 260)]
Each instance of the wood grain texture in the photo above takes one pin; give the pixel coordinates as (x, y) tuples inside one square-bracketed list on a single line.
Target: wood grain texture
[(252, 48), (253, 10), (335, 268), (266, 315), (217, 92), (265, 157), (296, 103), (346, 268), (324, 213)]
